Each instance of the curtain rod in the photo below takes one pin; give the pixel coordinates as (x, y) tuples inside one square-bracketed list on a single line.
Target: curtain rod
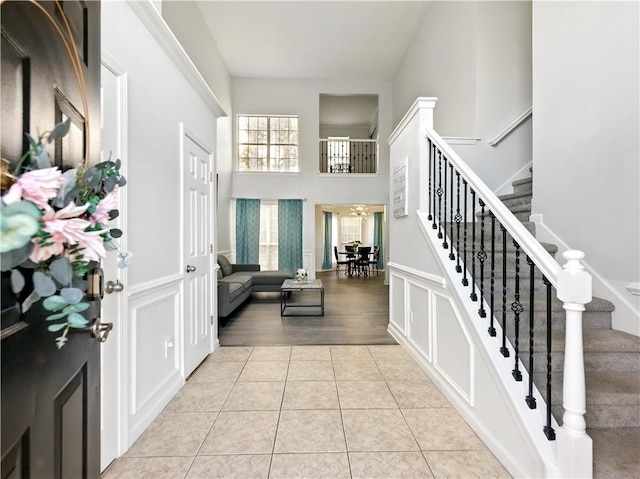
[(269, 199)]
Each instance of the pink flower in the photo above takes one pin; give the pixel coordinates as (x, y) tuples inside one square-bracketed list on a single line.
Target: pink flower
[(106, 204), (37, 186), (66, 228)]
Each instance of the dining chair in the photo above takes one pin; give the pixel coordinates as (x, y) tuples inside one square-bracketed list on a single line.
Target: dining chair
[(362, 261), (345, 262), (373, 263)]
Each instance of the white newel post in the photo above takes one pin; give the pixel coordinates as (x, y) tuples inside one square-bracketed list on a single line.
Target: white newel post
[(575, 449)]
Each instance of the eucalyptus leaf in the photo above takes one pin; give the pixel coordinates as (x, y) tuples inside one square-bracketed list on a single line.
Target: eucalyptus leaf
[(56, 327), (60, 130), (122, 181), (54, 303), (76, 320), (118, 164), (41, 157), (53, 317), (16, 257), (79, 283), (110, 183), (79, 308), (115, 233), (72, 295), (17, 281), (30, 301), (113, 214), (63, 198), (43, 284), (62, 270)]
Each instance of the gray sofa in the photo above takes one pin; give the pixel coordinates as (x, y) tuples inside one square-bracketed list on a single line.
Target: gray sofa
[(236, 282)]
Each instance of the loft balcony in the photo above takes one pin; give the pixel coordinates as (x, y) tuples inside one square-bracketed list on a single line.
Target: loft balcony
[(348, 156)]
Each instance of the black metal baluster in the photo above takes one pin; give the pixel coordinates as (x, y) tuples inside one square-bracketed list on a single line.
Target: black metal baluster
[(517, 308), (474, 296), (445, 245), (492, 329), (430, 217), (440, 191), (433, 175), (465, 281), (458, 219), (451, 255), (482, 257), (548, 430), (503, 349), (531, 401)]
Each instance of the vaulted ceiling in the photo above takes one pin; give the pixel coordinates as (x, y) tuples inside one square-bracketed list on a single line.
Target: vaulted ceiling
[(312, 39)]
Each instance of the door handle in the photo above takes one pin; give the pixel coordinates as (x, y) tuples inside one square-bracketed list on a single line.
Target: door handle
[(190, 269), (98, 329), (112, 287)]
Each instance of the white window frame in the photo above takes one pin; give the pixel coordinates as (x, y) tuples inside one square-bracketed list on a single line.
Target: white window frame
[(350, 229), (266, 150), (268, 240)]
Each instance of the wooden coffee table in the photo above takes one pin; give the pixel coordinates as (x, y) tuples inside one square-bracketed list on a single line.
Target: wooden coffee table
[(310, 286)]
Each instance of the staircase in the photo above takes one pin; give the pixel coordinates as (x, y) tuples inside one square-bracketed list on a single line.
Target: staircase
[(611, 359)]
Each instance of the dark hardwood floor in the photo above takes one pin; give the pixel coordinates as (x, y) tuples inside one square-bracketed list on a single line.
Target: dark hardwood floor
[(356, 312)]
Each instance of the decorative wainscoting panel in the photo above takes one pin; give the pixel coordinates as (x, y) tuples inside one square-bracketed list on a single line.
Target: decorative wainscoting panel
[(154, 352), (419, 330), (397, 306), (453, 349), (427, 319)]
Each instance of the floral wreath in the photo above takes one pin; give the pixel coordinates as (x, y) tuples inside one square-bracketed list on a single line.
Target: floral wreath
[(54, 228)]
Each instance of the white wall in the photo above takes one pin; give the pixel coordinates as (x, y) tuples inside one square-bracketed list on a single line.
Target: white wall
[(185, 20), (161, 97), (475, 57), (586, 139), (301, 97)]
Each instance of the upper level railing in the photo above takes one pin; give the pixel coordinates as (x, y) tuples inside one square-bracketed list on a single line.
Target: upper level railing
[(348, 156)]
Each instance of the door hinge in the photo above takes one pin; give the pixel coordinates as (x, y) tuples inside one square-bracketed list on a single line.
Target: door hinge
[(211, 176), (211, 248), (212, 319)]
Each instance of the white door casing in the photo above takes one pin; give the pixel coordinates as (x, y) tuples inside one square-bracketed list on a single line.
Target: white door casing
[(197, 161), (112, 427)]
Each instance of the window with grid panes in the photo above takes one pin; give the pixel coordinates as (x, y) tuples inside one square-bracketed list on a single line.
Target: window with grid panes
[(267, 143), (350, 229)]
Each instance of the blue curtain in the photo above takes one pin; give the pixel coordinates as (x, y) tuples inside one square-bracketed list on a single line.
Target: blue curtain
[(247, 231), (377, 236), (327, 259), (290, 234)]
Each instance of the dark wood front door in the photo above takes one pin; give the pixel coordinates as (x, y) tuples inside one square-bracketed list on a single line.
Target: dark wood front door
[(50, 397)]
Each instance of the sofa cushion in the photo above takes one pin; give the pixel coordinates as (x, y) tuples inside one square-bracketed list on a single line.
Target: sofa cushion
[(271, 277), (225, 266), (244, 280), (235, 290)]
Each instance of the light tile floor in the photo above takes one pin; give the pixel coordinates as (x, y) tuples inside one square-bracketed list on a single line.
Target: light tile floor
[(308, 411)]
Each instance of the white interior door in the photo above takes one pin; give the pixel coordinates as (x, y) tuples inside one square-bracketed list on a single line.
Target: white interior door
[(197, 163), (113, 89)]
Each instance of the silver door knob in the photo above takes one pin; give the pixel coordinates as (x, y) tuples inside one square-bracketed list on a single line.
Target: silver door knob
[(112, 287), (190, 269)]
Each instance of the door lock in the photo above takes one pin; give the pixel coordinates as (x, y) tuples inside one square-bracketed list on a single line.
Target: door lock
[(112, 287), (190, 269)]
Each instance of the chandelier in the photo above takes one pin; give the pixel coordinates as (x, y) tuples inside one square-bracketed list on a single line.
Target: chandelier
[(359, 211)]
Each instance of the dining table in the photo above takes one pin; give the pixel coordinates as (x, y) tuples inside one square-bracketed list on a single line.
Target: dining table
[(352, 267)]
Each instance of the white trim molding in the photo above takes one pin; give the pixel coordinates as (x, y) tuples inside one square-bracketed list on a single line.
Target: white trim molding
[(151, 18), (634, 288), (461, 140), (511, 126)]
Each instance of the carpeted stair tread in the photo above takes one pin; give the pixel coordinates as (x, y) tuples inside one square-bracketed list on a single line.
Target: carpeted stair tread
[(604, 388), (616, 454), (595, 341)]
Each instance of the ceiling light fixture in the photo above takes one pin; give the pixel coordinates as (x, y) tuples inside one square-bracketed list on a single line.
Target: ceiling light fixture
[(359, 211)]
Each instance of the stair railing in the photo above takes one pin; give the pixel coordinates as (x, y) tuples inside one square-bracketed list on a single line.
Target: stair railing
[(512, 276)]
